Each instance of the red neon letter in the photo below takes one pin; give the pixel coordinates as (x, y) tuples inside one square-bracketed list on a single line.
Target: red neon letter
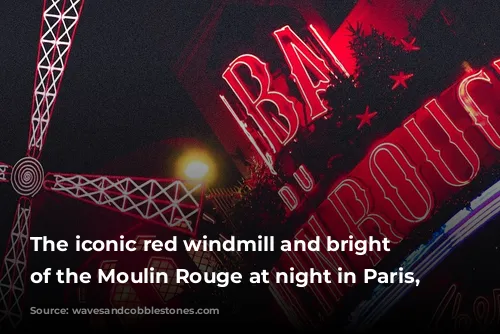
[(288, 301), (480, 119), (400, 183), (304, 178), (456, 138), (329, 51), (271, 127), (320, 261), (353, 206), (300, 58), (289, 197)]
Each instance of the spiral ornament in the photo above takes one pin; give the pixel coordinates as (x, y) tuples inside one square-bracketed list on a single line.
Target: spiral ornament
[(27, 177)]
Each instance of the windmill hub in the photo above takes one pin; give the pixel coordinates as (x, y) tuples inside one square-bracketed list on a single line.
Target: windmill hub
[(27, 177)]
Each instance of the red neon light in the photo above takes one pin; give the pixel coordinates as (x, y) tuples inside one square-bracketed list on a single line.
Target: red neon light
[(456, 137), (300, 58), (289, 197), (410, 46), (400, 79), (480, 119), (266, 157), (329, 51), (352, 204), (268, 124), (400, 183), (366, 117), (304, 178)]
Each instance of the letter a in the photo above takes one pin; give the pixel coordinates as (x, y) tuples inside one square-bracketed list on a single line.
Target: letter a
[(301, 59)]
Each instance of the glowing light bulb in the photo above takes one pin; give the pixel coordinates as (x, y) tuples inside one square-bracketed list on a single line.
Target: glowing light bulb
[(196, 170)]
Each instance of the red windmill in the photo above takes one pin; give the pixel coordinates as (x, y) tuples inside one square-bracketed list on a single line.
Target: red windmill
[(171, 202)]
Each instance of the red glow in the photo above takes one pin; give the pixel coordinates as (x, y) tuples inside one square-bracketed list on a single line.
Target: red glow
[(456, 141)]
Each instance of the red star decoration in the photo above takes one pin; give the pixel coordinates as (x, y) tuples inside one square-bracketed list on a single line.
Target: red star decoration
[(366, 118), (410, 46), (400, 79)]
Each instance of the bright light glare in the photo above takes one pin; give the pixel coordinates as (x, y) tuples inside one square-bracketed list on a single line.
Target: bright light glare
[(196, 170), (196, 165)]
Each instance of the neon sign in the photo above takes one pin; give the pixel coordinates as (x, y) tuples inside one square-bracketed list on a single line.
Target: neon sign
[(405, 177), (438, 150), (277, 116)]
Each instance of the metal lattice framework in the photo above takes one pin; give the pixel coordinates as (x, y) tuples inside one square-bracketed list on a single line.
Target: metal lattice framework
[(171, 202)]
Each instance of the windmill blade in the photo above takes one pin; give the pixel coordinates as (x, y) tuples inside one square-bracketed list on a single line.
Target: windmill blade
[(59, 22), (14, 267), (5, 172), (171, 202)]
